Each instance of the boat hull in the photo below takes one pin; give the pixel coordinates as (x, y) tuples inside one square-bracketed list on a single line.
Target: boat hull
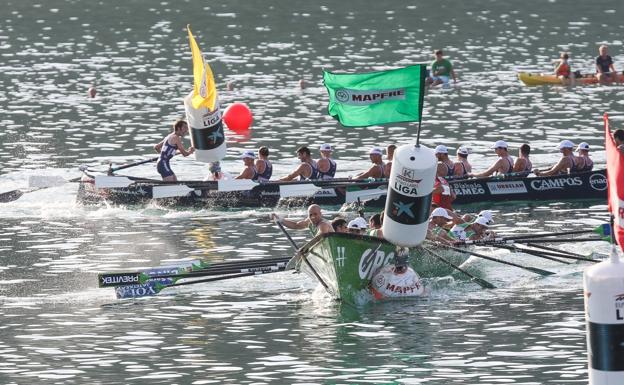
[(535, 79), (345, 263)]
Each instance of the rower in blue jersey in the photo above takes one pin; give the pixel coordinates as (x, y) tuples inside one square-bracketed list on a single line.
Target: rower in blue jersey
[(523, 165), (264, 168), (326, 165), (168, 148), (583, 161), (249, 172), (446, 167), (504, 163), (377, 169), (308, 169), (462, 167), (566, 164), (389, 155)]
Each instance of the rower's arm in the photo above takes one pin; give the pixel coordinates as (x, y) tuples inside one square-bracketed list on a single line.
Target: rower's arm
[(365, 174), (293, 174), (323, 165), (495, 167), (556, 169), (260, 166), (325, 227), (296, 225), (158, 146), (519, 165), (181, 148), (247, 173)]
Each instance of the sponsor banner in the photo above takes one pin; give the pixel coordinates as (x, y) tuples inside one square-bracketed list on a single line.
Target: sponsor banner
[(367, 97), (507, 187), (463, 188), (598, 182), (326, 192), (556, 184), (372, 260)]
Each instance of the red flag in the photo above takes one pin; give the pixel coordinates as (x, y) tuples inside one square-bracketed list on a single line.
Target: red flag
[(615, 181)]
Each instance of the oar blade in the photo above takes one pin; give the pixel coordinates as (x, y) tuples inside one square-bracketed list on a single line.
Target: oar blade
[(538, 271), (170, 191), (483, 283), (44, 181), (118, 279), (298, 190), (106, 181), (10, 196), (236, 185), (353, 195)]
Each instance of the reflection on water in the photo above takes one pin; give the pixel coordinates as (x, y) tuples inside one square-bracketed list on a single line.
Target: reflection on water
[(57, 327)]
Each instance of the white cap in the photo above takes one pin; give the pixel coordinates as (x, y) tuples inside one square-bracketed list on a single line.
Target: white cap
[(482, 221), (566, 144), (487, 214), (441, 212), (325, 147), (440, 149), (583, 146), (358, 223), (500, 143), (463, 150), (248, 154), (375, 151)]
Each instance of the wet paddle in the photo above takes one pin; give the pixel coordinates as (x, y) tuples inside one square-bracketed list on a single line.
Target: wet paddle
[(481, 282), (534, 253)]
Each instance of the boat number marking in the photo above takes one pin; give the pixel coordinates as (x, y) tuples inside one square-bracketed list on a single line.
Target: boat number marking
[(341, 256)]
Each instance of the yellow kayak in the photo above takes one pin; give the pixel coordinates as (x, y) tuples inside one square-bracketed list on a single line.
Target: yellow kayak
[(535, 79)]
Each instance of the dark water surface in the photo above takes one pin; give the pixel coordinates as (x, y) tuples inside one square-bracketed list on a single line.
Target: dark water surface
[(56, 326)]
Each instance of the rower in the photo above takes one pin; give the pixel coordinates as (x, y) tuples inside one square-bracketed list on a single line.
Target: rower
[(618, 138), (583, 161), (375, 222), (389, 155), (339, 225), (436, 230), (445, 165), (249, 172), (377, 169), (504, 163), (357, 226), (263, 166), (326, 165), (565, 164), (308, 169), (216, 173), (462, 167), (523, 165), (168, 147), (314, 222), (472, 230)]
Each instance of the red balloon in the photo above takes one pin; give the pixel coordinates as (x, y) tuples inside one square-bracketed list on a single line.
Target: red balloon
[(238, 118)]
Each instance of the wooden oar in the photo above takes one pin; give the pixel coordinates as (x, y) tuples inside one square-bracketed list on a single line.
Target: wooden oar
[(531, 252), (564, 254), (521, 237), (528, 268), (481, 282)]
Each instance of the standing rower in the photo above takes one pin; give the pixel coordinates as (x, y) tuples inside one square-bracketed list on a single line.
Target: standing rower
[(504, 163), (583, 161), (263, 166), (249, 172), (523, 165), (565, 164), (389, 155), (377, 169), (314, 222), (462, 167), (168, 147), (308, 169), (326, 165)]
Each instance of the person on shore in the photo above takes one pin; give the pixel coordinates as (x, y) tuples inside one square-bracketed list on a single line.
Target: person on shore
[(504, 163), (462, 167), (326, 165), (308, 169), (375, 223), (523, 165), (618, 138), (339, 225), (168, 147), (389, 156), (377, 169), (249, 171), (441, 70), (605, 71), (264, 168), (583, 161), (314, 222), (562, 69), (446, 167), (566, 164)]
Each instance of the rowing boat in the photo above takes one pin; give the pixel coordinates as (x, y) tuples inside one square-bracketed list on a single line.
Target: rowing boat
[(345, 263), (540, 79)]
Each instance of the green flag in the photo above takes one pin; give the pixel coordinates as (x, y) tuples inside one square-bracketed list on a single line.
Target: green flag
[(370, 98)]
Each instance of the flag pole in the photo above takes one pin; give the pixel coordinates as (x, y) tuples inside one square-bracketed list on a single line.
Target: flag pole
[(421, 102)]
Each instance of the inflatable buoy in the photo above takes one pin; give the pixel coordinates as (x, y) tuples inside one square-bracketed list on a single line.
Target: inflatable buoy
[(603, 285), (238, 118), (409, 195), (206, 129)]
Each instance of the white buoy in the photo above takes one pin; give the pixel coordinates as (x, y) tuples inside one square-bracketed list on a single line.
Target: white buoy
[(409, 195), (604, 312), (206, 129)]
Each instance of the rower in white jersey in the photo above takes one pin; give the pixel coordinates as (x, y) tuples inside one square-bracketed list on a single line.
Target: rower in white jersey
[(566, 164), (523, 165), (314, 222), (326, 165), (377, 169), (168, 148), (504, 163)]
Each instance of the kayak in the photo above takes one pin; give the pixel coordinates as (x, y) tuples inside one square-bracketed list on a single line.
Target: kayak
[(535, 79)]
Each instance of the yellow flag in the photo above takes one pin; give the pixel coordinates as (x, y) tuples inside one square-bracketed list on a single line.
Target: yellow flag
[(204, 89)]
